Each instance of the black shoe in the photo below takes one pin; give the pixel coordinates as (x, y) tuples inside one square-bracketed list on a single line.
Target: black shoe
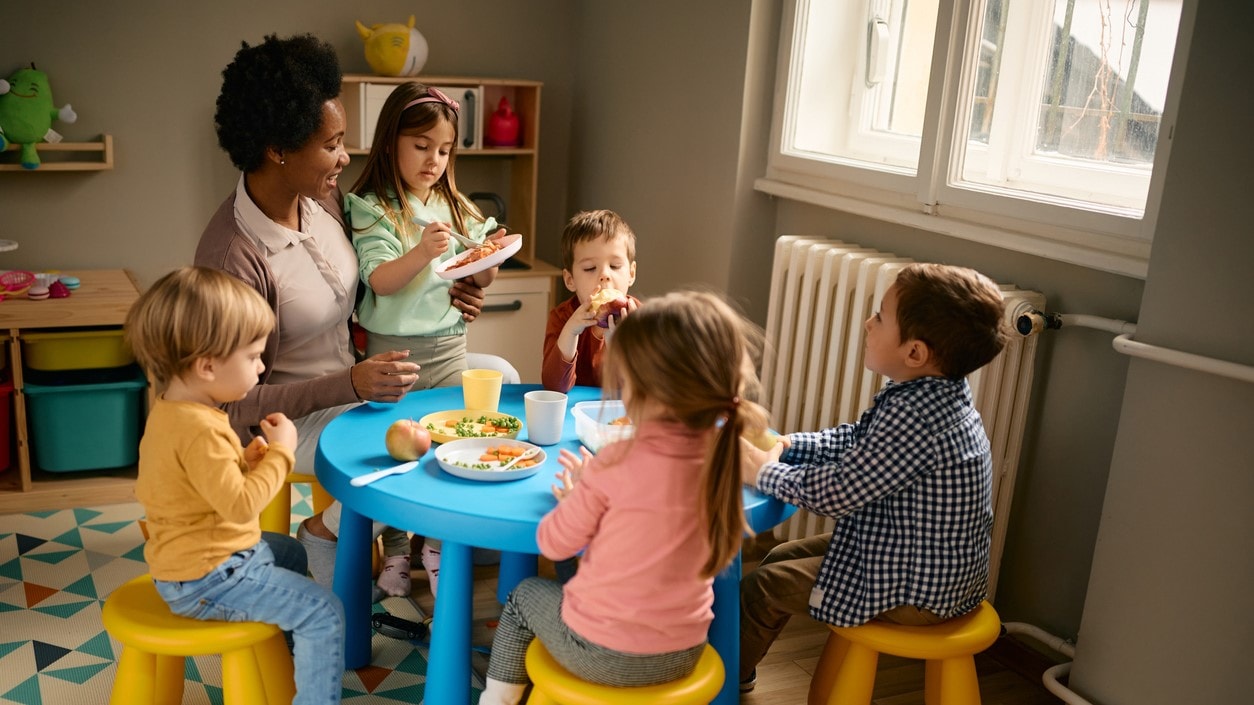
[(747, 685)]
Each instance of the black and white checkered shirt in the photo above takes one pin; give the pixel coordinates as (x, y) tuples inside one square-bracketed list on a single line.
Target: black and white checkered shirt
[(910, 485)]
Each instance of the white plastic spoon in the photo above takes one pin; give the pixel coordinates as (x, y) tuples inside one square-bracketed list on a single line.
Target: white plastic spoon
[(456, 235), (529, 453), (363, 480)]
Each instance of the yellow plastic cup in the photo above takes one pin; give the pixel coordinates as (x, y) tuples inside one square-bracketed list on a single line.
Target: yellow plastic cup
[(481, 389)]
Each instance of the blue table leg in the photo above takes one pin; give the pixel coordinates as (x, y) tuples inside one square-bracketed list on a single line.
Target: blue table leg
[(515, 567), (351, 583), (725, 631), (448, 668)]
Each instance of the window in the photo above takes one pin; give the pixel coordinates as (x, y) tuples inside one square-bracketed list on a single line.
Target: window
[(1033, 124)]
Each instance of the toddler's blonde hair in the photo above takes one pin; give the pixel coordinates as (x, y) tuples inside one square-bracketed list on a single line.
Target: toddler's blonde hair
[(193, 313)]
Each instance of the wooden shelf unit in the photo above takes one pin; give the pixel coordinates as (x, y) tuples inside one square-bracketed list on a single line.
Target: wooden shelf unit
[(102, 299), (64, 156)]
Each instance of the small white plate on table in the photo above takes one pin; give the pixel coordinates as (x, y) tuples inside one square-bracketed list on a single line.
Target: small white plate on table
[(462, 458), (450, 269)]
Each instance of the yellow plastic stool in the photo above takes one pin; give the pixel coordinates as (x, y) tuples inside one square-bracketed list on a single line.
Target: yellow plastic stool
[(845, 673), (554, 685), (256, 665), (277, 516)]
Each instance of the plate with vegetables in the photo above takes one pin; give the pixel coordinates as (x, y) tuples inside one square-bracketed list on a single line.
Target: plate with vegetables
[(482, 459), (446, 426)]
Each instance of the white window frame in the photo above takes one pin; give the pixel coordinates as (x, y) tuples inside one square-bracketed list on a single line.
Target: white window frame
[(1109, 239)]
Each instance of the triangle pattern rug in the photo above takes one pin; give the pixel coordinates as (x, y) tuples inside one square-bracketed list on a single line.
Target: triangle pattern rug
[(58, 567)]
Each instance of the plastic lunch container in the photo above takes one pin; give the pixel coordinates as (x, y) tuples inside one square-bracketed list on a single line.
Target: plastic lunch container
[(592, 423)]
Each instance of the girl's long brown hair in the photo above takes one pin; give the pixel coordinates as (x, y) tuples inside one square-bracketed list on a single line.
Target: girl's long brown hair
[(380, 175), (690, 352)]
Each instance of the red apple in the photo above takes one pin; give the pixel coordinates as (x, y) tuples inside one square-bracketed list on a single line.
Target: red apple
[(608, 302), (407, 440)]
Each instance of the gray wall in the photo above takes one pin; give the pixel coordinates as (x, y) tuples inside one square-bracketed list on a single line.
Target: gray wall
[(148, 73), (1165, 619)]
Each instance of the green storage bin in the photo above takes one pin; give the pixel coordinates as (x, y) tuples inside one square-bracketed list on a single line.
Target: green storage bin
[(85, 426)]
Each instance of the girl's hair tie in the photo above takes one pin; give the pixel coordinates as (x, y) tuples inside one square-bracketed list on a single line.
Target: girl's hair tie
[(434, 95), (734, 404)]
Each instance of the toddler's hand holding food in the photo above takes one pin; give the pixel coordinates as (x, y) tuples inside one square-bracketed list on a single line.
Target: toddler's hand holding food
[(255, 451), (279, 429)]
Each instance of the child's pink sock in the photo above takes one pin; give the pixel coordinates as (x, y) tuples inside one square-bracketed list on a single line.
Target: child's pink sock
[(394, 578), (431, 563)]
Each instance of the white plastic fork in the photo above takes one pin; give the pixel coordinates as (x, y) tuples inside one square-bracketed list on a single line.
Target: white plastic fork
[(529, 453), (456, 235), (363, 480)]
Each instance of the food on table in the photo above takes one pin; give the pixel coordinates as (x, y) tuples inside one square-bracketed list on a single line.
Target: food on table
[(478, 253), (406, 439), (493, 457), (485, 426), (621, 421)]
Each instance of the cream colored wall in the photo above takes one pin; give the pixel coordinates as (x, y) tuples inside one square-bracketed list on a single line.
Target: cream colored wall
[(148, 72)]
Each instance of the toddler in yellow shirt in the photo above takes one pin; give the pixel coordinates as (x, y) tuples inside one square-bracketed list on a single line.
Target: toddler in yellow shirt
[(199, 334)]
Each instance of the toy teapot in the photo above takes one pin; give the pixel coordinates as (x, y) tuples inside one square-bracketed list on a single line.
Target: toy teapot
[(503, 128)]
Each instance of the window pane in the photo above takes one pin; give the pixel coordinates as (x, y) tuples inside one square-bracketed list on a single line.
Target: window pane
[(860, 81), (1067, 96)]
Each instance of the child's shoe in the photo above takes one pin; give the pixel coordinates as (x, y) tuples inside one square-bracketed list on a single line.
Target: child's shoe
[(748, 684)]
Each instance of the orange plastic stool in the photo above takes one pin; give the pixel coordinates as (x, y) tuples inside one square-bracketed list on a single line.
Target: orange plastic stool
[(277, 516), (256, 665), (554, 685), (845, 674)]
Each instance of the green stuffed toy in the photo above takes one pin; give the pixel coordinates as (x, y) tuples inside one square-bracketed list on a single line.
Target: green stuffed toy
[(27, 112)]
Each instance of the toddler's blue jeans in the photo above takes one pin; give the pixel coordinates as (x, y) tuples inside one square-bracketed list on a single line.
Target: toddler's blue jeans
[(249, 587)]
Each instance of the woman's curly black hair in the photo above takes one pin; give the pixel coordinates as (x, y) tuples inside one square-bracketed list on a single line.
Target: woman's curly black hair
[(272, 96)]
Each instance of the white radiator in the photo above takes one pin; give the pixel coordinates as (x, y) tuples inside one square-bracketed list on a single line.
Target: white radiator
[(822, 291)]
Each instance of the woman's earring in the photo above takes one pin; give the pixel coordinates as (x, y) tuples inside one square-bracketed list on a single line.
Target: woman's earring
[(282, 162)]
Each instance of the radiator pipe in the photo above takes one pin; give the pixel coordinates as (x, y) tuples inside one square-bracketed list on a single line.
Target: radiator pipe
[(1029, 321), (1052, 678), (1034, 321)]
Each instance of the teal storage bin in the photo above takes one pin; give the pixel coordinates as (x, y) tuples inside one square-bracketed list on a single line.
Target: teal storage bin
[(85, 426)]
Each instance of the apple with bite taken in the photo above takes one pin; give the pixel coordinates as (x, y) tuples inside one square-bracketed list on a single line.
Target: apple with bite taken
[(608, 302), (406, 439)]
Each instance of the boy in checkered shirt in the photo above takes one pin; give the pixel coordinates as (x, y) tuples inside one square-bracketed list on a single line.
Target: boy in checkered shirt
[(909, 484)]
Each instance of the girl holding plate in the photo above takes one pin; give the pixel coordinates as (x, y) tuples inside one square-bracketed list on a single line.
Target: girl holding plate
[(408, 178)]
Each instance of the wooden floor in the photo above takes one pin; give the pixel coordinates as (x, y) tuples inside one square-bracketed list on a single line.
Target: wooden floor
[(784, 674)]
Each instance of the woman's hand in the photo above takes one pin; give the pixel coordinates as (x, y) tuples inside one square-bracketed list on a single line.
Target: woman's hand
[(467, 298), (572, 471), (384, 377), (278, 429)]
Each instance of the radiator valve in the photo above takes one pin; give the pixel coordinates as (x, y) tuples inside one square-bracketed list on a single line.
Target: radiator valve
[(1033, 321)]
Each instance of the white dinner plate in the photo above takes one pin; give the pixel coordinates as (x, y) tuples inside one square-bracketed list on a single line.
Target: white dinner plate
[(450, 269), (459, 457)]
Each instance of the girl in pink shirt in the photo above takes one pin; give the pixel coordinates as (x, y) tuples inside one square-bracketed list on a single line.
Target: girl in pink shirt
[(656, 516)]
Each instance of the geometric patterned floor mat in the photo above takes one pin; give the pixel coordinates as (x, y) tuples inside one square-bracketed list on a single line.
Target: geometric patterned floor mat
[(57, 568)]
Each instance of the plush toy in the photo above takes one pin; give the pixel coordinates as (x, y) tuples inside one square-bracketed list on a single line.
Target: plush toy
[(394, 49), (27, 112)]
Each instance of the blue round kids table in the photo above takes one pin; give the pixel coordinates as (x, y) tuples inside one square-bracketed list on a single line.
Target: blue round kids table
[(464, 514)]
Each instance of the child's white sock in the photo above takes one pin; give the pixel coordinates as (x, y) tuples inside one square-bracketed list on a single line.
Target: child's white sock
[(431, 563), (501, 693), (394, 578)]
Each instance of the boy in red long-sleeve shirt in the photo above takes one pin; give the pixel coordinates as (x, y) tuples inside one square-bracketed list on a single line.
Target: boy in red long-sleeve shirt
[(598, 254)]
